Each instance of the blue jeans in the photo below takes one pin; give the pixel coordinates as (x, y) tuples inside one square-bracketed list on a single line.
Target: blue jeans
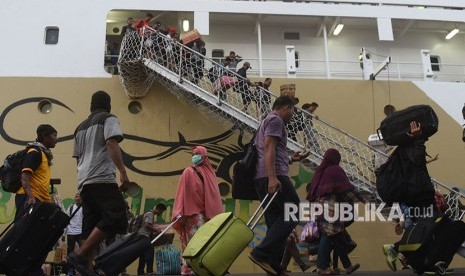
[(271, 249), (324, 251)]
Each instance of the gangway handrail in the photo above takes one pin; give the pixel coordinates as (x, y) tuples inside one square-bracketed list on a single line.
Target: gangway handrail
[(181, 68)]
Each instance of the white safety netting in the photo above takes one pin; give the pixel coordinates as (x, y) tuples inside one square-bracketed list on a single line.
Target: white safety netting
[(148, 55)]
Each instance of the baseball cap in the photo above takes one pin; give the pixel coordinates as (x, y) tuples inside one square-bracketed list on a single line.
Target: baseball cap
[(247, 64)]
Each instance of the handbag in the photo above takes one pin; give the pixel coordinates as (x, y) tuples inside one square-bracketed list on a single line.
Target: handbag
[(243, 186), (168, 260), (310, 232)]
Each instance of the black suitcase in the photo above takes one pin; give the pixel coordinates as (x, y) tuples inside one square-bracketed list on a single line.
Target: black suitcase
[(120, 254), (394, 127), (31, 238), (431, 244)]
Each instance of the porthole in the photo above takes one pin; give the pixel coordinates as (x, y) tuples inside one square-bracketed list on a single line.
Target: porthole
[(135, 107), (45, 106), (388, 109), (225, 188)]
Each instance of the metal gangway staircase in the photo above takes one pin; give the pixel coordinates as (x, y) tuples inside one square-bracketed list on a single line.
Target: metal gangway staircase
[(147, 56)]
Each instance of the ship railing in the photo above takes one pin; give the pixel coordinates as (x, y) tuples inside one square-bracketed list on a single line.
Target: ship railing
[(350, 69), (345, 69), (457, 5)]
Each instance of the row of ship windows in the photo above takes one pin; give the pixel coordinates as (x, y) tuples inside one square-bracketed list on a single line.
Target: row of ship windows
[(52, 34)]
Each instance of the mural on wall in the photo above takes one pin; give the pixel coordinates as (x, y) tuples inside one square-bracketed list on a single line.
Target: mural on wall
[(222, 157)]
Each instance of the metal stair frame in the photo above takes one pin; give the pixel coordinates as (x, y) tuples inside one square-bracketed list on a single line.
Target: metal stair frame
[(175, 80)]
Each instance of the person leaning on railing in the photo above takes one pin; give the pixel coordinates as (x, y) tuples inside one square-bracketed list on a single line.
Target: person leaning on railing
[(242, 85)]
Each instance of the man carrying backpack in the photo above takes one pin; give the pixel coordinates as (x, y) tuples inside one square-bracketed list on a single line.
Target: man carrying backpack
[(35, 176), (149, 227), (416, 181)]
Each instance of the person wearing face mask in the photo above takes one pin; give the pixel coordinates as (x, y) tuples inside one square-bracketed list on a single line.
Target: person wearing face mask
[(197, 199)]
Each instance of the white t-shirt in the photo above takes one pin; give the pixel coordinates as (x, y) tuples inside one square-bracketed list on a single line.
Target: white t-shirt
[(75, 225)]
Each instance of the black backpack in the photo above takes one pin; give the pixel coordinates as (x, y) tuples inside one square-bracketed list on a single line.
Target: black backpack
[(390, 180), (401, 180), (10, 171), (243, 186)]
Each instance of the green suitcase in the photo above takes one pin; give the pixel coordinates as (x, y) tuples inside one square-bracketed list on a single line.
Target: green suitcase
[(218, 243)]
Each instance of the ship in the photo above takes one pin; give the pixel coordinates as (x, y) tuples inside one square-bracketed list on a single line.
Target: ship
[(359, 60)]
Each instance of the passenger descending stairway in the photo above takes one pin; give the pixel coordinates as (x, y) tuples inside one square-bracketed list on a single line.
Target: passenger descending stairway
[(148, 55)]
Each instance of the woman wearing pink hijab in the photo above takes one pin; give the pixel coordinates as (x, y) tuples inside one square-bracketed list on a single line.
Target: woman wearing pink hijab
[(197, 200)]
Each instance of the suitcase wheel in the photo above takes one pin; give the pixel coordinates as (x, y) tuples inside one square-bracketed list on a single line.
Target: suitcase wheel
[(441, 268)]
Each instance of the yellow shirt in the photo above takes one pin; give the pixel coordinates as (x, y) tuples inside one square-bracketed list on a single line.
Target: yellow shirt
[(40, 179)]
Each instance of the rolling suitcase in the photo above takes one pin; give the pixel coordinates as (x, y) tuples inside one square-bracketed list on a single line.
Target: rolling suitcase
[(217, 244), (120, 254), (431, 243), (394, 128), (31, 238)]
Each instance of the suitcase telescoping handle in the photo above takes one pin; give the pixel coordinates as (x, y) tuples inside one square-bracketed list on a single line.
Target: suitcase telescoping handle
[(258, 209), (166, 229), (380, 136)]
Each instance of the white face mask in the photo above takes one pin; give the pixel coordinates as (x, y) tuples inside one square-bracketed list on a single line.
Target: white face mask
[(196, 159)]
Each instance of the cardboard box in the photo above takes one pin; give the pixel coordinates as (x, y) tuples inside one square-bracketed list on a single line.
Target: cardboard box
[(190, 37)]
